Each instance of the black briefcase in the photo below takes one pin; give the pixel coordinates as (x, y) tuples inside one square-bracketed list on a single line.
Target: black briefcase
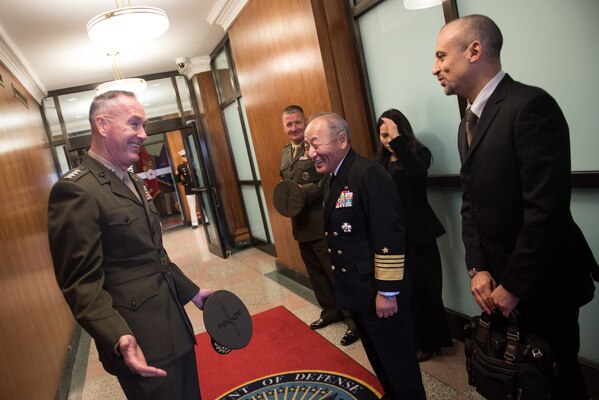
[(505, 363)]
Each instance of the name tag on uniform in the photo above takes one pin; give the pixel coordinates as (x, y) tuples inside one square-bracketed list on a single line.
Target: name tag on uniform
[(345, 199)]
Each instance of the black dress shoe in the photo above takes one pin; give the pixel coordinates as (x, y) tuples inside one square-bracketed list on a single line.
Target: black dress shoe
[(320, 323), (350, 337), (425, 355)]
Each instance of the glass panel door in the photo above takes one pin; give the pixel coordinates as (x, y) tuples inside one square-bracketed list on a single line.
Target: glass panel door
[(241, 147), (206, 194), (244, 159)]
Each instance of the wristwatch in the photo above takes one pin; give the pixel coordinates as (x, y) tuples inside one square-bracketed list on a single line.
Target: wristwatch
[(472, 272)]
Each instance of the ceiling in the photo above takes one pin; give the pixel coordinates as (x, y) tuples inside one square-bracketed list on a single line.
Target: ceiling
[(49, 38)]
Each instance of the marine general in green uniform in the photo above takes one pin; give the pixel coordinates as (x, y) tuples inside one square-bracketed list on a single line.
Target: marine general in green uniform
[(110, 263)]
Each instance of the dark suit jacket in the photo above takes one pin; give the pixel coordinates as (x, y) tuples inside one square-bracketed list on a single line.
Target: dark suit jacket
[(516, 220), (307, 225), (365, 233), (111, 266), (422, 225)]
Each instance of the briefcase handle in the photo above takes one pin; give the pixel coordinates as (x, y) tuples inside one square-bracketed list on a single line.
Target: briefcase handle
[(512, 333)]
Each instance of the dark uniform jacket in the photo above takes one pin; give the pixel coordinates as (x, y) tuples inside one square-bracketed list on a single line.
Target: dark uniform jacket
[(307, 225), (186, 176), (111, 266), (422, 225), (365, 234), (516, 204)]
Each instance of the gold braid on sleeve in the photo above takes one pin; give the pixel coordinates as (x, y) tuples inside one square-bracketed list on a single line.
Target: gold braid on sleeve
[(388, 267)]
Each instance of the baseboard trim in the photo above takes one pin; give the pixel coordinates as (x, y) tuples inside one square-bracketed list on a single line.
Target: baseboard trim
[(69, 363), (292, 273), (74, 370)]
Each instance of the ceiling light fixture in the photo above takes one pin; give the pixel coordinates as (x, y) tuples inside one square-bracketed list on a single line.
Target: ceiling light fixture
[(134, 85), (419, 4), (127, 25)]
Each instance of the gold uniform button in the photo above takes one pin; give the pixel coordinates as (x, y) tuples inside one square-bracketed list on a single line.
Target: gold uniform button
[(335, 234), (326, 233), (343, 270), (339, 252), (329, 250), (332, 267)]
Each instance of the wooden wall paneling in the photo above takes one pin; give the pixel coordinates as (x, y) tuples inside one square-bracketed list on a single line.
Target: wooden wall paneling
[(333, 23), (36, 323), (278, 62), (226, 183)]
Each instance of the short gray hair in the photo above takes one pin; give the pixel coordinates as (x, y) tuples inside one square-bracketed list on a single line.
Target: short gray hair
[(335, 123), (105, 100)]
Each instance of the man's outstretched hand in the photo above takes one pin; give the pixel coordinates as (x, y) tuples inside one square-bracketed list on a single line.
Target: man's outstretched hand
[(134, 358)]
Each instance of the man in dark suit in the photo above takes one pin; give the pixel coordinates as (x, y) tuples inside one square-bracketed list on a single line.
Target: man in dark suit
[(366, 239), (307, 225), (523, 249), (106, 243)]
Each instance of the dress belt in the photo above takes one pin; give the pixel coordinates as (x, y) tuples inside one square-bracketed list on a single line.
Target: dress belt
[(113, 277)]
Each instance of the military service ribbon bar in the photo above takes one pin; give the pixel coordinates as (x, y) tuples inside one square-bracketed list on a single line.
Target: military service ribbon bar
[(345, 199), (388, 267)]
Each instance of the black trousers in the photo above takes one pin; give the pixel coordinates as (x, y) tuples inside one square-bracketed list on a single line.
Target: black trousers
[(389, 345), (180, 383), (561, 330), (423, 263)]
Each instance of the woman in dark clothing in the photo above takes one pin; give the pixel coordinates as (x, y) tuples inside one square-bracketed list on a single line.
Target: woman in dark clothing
[(407, 160)]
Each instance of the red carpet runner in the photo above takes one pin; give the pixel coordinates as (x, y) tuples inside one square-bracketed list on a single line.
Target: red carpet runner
[(285, 360)]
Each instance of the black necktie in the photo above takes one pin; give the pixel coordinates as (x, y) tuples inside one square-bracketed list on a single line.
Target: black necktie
[(471, 121)]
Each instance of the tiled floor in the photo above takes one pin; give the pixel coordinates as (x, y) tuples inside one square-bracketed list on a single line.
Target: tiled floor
[(251, 274)]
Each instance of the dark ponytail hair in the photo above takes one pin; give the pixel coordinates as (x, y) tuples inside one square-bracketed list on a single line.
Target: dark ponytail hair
[(404, 128)]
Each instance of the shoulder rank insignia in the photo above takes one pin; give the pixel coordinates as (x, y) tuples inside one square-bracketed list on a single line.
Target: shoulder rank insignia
[(75, 173)]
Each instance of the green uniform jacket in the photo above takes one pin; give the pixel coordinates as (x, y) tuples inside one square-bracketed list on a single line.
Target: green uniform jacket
[(111, 266), (307, 225)]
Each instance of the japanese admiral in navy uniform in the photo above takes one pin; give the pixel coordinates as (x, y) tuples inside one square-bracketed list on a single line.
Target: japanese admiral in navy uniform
[(366, 239)]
